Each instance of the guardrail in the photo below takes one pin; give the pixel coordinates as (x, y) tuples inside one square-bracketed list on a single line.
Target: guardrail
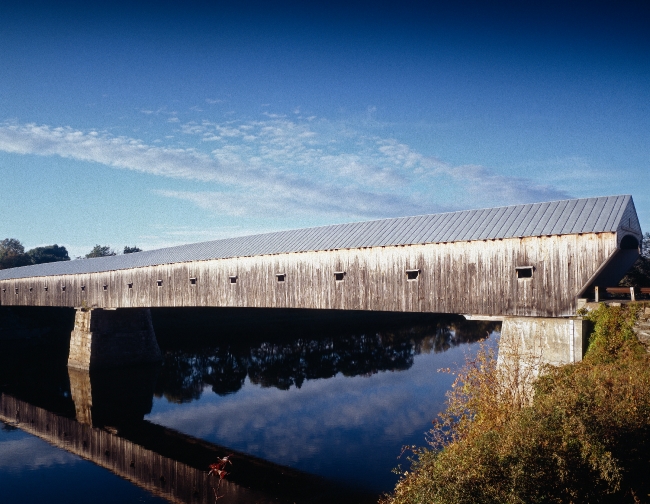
[(633, 292)]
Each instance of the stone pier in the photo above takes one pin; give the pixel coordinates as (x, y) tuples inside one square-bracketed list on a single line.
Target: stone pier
[(104, 339), (529, 343), (534, 341)]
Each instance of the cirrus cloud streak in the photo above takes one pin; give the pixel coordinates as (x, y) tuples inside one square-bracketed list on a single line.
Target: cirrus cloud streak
[(283, 166)]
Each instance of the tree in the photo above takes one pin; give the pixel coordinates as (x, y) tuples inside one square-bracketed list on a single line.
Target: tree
[(47, 254), (100, 251), (639, 274), (11, 246), (131, 250), (12, 254)]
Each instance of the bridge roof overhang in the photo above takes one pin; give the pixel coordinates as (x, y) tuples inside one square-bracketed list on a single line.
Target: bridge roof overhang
[(615, 214)]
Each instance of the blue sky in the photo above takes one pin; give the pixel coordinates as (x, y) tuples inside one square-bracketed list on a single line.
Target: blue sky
[(160, 123)]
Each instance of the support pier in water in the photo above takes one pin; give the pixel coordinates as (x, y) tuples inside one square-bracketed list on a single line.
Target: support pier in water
[(554, 341), (112, 338)]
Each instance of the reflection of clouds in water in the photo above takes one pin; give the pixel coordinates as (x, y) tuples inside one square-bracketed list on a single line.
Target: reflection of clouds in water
[(31, 453), (346, 414)]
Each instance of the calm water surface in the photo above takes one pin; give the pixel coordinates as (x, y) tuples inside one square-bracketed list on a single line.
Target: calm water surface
[(326, 400)]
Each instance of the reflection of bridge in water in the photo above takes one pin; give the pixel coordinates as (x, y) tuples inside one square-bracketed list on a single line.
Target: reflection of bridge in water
[(163, 461), (162, 475)]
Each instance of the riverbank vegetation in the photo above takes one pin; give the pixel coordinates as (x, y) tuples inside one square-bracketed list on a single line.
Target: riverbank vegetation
[(583, 437)]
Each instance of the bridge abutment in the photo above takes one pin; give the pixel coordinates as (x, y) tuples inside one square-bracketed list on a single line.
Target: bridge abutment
[(528, 342), (103, 339)]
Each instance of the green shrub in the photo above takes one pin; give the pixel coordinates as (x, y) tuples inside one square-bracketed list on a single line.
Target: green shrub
[(613, 333), (584, 437)]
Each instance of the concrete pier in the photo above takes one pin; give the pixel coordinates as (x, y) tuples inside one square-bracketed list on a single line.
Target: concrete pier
[(538, 340), (104, 339), (529, 343)]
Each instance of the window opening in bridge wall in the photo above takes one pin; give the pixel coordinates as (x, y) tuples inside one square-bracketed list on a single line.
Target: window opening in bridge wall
[(83, 288), (63, 288), (16, 290), (130, 285), (524, 271), (31, 289), (105, 287), (233, 279), (46, 288), (339, 276), (193, 281), (4, 289), (159, 283), (280, 276), (412, 274)]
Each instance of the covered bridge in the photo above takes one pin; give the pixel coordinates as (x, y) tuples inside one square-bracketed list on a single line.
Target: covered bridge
[(523, 260), (526, 264)]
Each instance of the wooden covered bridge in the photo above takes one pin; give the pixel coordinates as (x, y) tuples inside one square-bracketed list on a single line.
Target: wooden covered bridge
[(533, 260)]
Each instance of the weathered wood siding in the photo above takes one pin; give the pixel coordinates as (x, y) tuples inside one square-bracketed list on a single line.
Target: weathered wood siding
[(477, 277)]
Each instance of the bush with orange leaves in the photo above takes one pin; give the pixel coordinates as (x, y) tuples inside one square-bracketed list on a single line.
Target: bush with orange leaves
[(583, 436)]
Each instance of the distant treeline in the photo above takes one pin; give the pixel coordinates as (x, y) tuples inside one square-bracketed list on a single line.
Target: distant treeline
[(13, 255)]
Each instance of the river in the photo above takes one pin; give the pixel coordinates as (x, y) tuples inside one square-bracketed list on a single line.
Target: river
[(312, 405)]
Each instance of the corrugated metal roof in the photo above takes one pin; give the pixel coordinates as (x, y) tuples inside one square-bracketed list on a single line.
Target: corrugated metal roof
[(556, 217)]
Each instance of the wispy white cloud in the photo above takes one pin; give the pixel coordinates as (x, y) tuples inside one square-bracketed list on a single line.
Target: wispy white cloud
[(117, 152), (274, 116), (158, 111), (221, 202), (510, 190), (283, 166), (273, 186), (573, 171), (477, 181), (270, 200), (343, 156)]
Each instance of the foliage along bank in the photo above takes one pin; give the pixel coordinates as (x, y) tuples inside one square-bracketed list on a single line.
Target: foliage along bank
[(583, 437)]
